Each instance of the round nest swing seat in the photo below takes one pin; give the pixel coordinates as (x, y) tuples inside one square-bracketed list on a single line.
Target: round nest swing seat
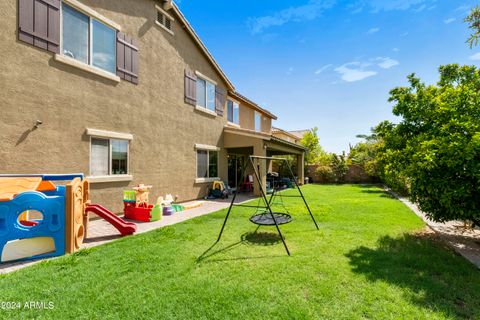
[(265, 218)]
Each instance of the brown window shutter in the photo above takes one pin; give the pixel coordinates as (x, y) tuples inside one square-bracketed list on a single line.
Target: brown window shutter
[(190, 87), (220, 99), (127, 58), (39, 23)]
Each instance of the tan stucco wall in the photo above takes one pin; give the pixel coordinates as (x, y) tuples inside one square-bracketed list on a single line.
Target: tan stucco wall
[(247, 119), (68, 101)]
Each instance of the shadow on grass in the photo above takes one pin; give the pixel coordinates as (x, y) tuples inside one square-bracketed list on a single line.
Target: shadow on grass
[(249, 238), (368, 185), (382, 193), (434, 277), (261, 238)]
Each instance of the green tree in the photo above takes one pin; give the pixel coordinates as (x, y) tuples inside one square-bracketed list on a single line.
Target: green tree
[(365, 153), (339, 167), (436, 146), (311, 141), (473, 20)]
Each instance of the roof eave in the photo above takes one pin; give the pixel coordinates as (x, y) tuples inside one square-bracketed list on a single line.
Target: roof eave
[(298, 146), (251, 103), (202, 47)]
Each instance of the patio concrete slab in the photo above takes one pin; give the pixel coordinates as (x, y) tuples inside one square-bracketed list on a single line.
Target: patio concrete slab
[(101, 232)]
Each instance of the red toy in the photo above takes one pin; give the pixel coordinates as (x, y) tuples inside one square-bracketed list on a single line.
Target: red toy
[(125, 228), (141, 213), (136, 207)]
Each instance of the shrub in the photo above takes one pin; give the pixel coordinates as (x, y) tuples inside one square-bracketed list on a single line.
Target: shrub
[(435, 149)]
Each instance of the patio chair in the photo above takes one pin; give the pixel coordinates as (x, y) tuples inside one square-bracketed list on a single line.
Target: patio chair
[(247, 185)]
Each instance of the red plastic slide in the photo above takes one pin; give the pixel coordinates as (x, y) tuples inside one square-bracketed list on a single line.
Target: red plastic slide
[(125, 228)]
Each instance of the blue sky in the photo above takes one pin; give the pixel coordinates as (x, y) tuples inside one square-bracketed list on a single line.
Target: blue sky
[(330, 63)]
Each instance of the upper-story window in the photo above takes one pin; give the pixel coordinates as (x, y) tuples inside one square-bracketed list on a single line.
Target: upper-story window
[(205, 93), (233, 112), (88, 40), (258, 121)]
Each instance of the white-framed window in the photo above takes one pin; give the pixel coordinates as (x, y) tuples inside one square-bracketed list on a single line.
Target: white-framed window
[(207, 163), (88, 40), (258, 121), (108, 156), (233, 111), (205, 93)]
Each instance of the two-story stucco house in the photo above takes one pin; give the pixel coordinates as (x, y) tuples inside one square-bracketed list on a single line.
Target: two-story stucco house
[(125, 92)]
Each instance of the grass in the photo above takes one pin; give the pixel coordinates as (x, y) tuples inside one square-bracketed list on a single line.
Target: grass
[(367, 261)]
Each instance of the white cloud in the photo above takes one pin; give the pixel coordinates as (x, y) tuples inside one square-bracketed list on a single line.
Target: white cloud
[(476, 56), (395, 49), (449, 20), (386, 62), (389, 5), (373, 30), (462, 8), (421, 8), (354, 71), (290, 70), (325, 67), (309, 11)]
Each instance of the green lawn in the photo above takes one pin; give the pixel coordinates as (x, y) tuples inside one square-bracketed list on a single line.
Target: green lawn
[(367, 261)]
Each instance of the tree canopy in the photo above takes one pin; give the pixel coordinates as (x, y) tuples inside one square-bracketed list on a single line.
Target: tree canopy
[(473, 20), (311, 141), (436, 146)]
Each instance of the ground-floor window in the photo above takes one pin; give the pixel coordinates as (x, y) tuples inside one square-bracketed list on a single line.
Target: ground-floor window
[(207, 164), (108, 156)]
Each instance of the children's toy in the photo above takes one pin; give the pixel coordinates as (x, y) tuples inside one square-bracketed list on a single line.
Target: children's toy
[(141, 194), (169, 207), (178, 207), (228, 188), (168, 210), (156, 212), (39, 219), (218, 185), (123, 226), (218, 190), (194, 204), (167, 201), (136, 207)]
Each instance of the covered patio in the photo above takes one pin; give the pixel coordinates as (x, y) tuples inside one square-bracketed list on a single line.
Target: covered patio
[(241, 143)]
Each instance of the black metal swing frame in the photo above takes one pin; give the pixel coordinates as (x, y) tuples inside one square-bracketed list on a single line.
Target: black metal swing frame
[(277, 217)]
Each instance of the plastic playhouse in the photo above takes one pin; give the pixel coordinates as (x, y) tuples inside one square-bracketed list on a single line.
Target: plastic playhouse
[(39, 219)]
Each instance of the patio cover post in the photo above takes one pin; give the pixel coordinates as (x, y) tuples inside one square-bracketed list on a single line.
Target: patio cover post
[(260, 183), (301, 168)]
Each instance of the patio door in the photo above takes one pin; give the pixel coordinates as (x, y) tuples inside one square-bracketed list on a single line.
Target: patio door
[(235, 165)]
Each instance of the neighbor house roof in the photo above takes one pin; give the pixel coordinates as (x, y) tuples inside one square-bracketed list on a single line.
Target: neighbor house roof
[(299, 133), (255, 106), (287, 133)]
